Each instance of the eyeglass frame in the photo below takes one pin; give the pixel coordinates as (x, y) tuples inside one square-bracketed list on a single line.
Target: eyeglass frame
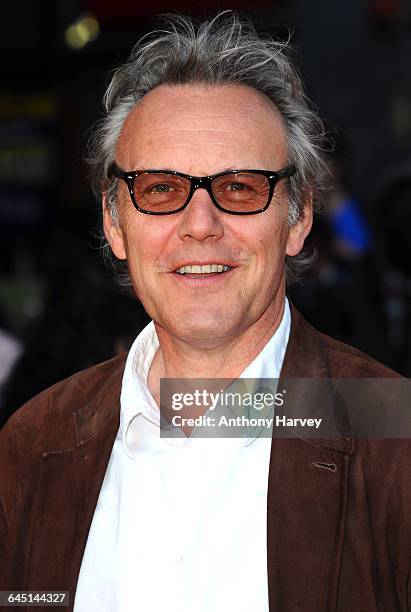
[(203, 182)]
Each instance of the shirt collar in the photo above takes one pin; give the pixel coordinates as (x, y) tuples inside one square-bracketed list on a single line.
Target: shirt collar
[(136, 398)]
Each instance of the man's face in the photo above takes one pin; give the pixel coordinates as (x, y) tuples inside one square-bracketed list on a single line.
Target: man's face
[(202, 131)]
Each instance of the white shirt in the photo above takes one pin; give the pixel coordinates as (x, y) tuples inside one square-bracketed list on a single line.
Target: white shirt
[(180, 524)]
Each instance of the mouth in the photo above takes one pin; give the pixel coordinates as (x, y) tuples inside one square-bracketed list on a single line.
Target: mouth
[(198, 270), (209, 275)]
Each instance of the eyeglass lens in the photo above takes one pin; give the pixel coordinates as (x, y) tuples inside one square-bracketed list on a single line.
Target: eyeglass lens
[(163, 192)]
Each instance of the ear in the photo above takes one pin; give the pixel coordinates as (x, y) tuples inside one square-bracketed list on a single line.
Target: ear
[(300, 230), (113, 232)]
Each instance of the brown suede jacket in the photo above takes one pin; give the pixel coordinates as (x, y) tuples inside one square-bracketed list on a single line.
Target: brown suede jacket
[(339, 510)]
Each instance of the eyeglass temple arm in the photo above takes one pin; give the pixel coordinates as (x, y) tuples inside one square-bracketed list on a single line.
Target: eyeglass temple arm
[(115, 171), (288, 171)]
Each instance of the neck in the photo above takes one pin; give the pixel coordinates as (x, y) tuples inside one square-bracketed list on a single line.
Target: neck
[(176, 359)]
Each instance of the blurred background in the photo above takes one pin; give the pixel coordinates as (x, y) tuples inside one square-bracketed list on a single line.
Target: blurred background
[(59, 309)]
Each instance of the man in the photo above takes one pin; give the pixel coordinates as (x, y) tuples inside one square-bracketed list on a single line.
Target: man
[(209, 162)]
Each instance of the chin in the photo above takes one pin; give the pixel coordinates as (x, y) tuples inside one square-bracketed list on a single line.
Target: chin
[(203, 334)]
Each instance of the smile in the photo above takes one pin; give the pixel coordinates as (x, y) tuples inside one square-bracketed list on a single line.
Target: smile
[(208, 269)]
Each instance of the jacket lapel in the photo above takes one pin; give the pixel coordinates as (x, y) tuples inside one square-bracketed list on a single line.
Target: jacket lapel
[(307, 496)]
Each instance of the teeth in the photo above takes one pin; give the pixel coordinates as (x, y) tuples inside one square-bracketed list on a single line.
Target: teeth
[(208, 269)]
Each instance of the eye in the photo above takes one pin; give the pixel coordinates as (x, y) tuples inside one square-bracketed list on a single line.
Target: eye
[(161, 188), (234, 186), (237, 187)]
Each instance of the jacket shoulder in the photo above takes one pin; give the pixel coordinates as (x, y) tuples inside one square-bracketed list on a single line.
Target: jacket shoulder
[(49, 417), (346, 361), (312, 354)]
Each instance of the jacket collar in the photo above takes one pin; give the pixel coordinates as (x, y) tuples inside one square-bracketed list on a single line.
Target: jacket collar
[(102, 406), (306, 358)]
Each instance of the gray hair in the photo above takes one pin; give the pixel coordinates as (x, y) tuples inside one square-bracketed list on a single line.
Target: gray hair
[(224, 51)]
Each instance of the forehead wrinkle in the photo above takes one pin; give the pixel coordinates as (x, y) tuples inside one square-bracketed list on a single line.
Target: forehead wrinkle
[(188, 157), (156, 117), (195, 130), (166, 136)]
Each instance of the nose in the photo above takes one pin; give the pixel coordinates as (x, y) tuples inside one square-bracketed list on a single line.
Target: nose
[(201, 220)]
